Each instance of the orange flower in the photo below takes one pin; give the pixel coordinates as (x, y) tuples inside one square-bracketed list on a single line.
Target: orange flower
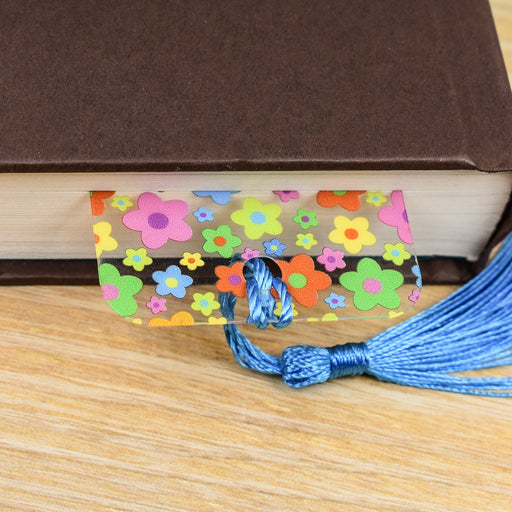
[(231, 279), (97, 198), (348, 199), (303, 280)]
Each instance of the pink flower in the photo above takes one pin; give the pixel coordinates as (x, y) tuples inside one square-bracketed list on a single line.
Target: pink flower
[(249, 254), (395, 215), (159, 221), (415, 295), (331, 259), (286, 195), (157, 305)]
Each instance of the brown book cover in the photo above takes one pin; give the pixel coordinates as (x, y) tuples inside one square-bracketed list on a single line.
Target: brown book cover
[(281, 85)]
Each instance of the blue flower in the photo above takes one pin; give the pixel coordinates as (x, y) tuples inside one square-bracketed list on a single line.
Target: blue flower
[(416, 271), (203, 214), (335, 301), (218, 196), (172, 281), (274, 247)]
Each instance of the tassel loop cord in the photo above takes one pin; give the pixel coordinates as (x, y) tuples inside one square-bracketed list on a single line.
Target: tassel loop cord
[(469, 330)]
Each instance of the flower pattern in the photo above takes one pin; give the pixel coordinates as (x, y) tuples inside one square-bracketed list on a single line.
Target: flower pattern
[(102, 238), (159, 221), (205, 303), (335, 301), (98, 201), (373, 286), (376, 198), (119, 290), (305, 219), (274, 247), (347, 199), (303, 281), (157, 305), (220, 240), (203, 214), (331, 260), (221, 197), (396, 253), (191, 260), (231, 279), (306, 240), (258, 219), (172, 282), (249, 254), (137, 258), (286, 195), (121, 203), (396, 215), (353, 234)]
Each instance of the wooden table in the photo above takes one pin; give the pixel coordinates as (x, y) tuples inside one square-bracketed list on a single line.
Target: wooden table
[(100, 415)]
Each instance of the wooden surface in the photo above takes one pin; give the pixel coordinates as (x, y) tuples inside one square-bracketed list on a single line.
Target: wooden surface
[(100, 415)]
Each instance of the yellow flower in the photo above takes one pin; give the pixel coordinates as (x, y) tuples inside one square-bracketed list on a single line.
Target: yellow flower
[(279, 310), (191, 260), (329, 317), (121, 202), (258, 218), (306, 240), (376, 198), (353, 234), (102, 238), (217, 321)]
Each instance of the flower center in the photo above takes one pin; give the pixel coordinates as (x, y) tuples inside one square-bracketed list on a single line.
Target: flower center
[(171, 282), (395, 253), (331, 259), (137, 258), (274, 247), (339, 192), (191, 260), (158, 220), (404, 216), (110, 292), (305, 218), (96, 238), (334, 301), (258, 218), (234, 280), (204, 303), (297, 280), (351, 233), (372, 286), (219, 241)]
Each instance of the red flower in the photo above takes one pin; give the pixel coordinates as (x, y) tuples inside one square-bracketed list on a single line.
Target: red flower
[(231, 279), (348, 199), (303, 280), (97, 204)]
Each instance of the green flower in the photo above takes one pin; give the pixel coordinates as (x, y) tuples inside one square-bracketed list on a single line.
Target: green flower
[(396, 253), (258, 218), (305, 219), (137, 259), (220, 240), (306, 240), (119, 290), (372, 285), (205, 302)]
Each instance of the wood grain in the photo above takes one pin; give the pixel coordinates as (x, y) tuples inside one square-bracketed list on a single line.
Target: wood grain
[(100, 415)]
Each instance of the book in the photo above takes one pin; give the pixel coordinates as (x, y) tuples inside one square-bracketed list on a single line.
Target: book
[(254, 96)]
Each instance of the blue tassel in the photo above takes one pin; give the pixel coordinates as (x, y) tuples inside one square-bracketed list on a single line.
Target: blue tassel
[(469, 330)]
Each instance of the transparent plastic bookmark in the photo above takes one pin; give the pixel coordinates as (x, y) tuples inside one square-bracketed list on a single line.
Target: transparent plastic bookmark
[(163, 257)]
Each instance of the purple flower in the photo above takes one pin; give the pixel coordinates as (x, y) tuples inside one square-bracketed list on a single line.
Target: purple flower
[(157, 305), (331, 259), (159, 221)]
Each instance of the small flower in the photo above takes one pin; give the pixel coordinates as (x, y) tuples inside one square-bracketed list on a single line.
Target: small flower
[(376, 198), (305, 219), (159, 221), (119, 290), (335, 301), (286, 195), (172, 281), (396, 253), (395, 215), (274, 247), (231, 279), (373, 286), (205, 302), (329, 317), (218, 196), (217, 321), (203, 214), (303, 280), (121, 203), (191, 260), (415, 295), (279, 310), (179, 318), (348, 199), (220, 240), (258, 218), (353, 234), (306, 240), (416, 271), (331, 259), (97, 201), (102, 238), (157, 305), (249, 254), (138, 259)]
